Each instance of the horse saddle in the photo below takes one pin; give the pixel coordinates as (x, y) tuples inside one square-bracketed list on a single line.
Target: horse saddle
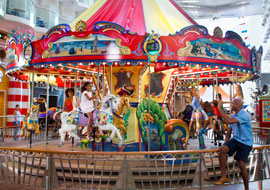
[(77, 118)]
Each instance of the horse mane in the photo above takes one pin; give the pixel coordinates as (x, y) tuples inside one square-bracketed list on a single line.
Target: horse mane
[(121, 105), (106, 98)]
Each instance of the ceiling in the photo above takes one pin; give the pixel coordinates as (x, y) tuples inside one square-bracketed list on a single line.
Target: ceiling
[(219, 9)]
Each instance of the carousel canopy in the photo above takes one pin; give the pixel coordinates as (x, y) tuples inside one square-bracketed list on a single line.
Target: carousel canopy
[(136, 32), (162, 16)]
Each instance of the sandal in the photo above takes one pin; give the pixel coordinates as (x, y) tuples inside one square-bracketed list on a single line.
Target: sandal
[(222, 180)]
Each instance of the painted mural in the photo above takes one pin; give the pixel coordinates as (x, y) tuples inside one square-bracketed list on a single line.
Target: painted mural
[(266, 111), (206, 48), (94, 45)]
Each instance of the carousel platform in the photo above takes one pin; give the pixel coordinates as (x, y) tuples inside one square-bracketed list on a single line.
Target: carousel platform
[(103, 171), (252, 186), (80, 168)]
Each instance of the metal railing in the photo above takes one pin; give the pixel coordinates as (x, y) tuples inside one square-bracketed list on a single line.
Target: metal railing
[(128, 170), (13, 133), (261, 135)]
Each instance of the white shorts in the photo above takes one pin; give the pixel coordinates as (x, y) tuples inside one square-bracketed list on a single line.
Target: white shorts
[(203, 113)]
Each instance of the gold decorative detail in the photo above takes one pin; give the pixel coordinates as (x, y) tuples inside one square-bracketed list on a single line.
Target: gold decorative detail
[(192, 31), (75, 37), (54, 32), (46, 53), (218, 32), (152, 46), (123, 49), (107, 29), (80, 26), (186, 50)]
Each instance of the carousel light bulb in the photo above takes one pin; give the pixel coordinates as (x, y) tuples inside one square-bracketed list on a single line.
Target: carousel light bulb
[(175, 64), (164, 63), (115, 63), (128, 63), (140, 63), (104, 63)]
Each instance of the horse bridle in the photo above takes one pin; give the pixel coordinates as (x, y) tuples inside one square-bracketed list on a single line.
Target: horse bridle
[(118, 116)]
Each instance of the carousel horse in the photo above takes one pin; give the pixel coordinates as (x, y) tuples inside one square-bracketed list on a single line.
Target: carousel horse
[(43, 112), (30, 121), (118, 117), (118, 121), (197, 122), (102, 118), (218, 130), (186, 114), (203, 131)]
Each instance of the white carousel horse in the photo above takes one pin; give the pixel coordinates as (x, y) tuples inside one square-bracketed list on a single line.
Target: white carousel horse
[(102, 118)]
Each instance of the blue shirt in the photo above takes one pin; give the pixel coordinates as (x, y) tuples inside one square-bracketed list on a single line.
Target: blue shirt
[(196, 103), (242, 131)]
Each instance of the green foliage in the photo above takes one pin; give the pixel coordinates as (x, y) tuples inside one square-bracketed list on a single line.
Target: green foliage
[(126, 116)]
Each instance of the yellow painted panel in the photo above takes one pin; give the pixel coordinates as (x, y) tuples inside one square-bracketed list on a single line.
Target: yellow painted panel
[(3, 87), (135, 76), (132, 129), (165, 82), (1, 108)]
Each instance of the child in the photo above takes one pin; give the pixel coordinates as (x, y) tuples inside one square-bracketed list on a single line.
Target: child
[(87, 105), (196, 104), (197, 108), (217, 123), (17, 121)]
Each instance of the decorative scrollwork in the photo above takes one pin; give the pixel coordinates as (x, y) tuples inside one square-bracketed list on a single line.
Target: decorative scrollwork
[(81, 26), (185, 51), (46, 53), (123, 49)]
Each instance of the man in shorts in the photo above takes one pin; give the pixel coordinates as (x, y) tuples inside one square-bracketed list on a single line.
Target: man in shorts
[(241, 143)]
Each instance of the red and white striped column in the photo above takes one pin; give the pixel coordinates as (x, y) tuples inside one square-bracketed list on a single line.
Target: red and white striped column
[(18, 93)]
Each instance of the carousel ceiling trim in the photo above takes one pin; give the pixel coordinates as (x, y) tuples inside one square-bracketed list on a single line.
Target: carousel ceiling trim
[(116, 38)]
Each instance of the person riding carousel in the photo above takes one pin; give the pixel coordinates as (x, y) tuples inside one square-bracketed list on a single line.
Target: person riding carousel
[(196, 106), (217, 122), (238, 92), (87, 106), (70, 103)]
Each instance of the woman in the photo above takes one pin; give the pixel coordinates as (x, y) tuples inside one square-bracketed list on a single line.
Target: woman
[(70, 103), (238, 92)]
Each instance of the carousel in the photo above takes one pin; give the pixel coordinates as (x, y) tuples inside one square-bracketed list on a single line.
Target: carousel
[(137, 54)]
